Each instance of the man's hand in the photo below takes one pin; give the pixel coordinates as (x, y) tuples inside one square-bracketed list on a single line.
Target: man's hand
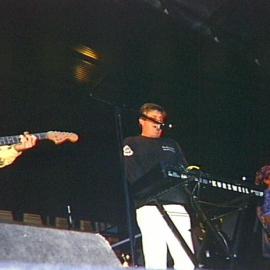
[(27, 141)]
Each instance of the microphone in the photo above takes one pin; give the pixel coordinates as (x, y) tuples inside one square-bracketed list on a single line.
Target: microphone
[(166, 126)]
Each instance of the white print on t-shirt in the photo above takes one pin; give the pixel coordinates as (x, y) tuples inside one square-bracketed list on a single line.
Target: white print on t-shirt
[(168, 148), (127, 151)]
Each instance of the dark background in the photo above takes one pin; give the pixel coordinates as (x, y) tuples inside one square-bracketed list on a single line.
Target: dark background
[(207, 65)]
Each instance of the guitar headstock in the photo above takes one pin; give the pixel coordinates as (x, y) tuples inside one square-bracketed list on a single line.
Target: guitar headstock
[(59, 137)]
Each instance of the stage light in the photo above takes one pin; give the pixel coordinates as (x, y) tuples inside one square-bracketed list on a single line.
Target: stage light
[(83, 70), (87, 52), (86, 60)]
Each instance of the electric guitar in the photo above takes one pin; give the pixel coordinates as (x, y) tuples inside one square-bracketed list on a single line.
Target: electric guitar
[(57, 137)]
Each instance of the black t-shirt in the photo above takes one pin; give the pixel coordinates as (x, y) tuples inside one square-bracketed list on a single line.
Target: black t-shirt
[(142, 155)]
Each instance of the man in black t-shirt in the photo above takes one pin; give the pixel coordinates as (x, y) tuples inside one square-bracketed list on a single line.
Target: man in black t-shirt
[(142, 154), (150, 151)]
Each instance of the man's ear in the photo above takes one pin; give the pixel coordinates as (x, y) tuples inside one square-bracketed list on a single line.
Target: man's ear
[(140, 121)]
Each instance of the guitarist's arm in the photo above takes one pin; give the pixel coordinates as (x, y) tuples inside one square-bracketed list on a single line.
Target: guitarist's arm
[(8, 153)]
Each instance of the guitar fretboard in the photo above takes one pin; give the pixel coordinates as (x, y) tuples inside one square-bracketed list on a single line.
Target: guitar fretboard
[(8, 140)]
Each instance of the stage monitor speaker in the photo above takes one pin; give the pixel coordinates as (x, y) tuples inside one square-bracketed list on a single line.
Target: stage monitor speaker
[(38, 245)]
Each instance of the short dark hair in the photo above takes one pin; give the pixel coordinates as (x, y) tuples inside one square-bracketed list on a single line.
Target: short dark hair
[(146, 107), (262, 174)]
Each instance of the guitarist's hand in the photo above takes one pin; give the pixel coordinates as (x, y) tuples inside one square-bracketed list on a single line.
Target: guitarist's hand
[(27, 141)]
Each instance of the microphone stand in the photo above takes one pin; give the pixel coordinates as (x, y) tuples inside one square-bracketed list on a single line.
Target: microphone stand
[(123, 170)]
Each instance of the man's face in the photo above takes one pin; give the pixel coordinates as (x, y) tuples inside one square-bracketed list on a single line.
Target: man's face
[(149, 128)]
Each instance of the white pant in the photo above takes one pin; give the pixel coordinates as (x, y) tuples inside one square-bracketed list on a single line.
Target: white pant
[(157, 236)]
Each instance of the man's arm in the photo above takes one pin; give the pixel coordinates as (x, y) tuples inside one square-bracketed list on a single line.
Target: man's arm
[(131, 166), (8, 153)]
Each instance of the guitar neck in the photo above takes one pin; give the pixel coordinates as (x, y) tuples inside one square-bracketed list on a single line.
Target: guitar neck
[(8, 140)]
